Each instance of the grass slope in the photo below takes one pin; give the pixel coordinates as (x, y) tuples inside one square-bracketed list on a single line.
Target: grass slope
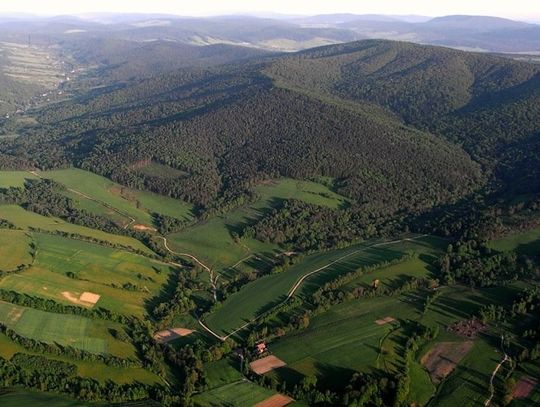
[(25, 219), (131, 203), (14, 178), (97, 269), (211, 240), (69, 330), (95, 370), (237, 394), (14, 249), (260, 295), (15, 397), (525, 243)]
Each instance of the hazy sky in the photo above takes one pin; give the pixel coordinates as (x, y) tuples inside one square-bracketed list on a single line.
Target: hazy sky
[(524, 9)]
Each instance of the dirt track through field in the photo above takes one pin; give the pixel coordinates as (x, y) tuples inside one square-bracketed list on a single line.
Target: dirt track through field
[(302, 279)]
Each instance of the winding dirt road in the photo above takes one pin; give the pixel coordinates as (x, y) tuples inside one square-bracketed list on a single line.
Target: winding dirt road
[(304, 277), (492, 388)]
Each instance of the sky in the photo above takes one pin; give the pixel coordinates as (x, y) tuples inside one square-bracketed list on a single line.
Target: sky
[(517, 9)]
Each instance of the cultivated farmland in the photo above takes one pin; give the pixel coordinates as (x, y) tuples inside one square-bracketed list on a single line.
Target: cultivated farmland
[(128, 203), (212, 242), (64, 269), (68, 330), (259, 296), (26, 219)]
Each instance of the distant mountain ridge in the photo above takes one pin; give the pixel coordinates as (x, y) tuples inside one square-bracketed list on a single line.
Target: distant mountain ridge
[(283, 33)]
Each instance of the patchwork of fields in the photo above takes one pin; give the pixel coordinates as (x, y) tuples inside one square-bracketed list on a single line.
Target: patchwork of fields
[(66, 268), (212, 242), (123, 203), (356, 335), (262, 294), (68, 330)]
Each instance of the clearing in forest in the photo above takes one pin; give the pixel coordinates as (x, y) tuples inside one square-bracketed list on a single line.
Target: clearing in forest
[(24, 219), (129, 203), (212, 242), (266, 364)]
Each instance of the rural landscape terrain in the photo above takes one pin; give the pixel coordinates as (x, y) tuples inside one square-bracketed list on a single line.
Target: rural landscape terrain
[(336, 210)]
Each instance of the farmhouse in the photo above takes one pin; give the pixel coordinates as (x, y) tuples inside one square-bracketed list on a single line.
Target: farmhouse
[(260, 348)]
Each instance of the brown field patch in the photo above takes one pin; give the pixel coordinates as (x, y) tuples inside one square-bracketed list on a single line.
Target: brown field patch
[(266, 364), (444, 357), (138, 226), (168, 335), (277, 400), (15, 314), (89, 297), (524, 387), (385, 320), (86, 299)]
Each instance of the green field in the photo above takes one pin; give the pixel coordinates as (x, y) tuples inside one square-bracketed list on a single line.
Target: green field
[(69, 330), (525, 243), (14, 178), (25, 219), (263, 293), (15, 397), (468, 385), (211, 240), (130, 203), (238, 394), (343, 340), (92, 268), (95, 370), (14, 249)]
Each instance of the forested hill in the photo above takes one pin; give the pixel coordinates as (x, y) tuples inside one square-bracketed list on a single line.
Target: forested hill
[(385, 120), (228, 128), (489, 105)]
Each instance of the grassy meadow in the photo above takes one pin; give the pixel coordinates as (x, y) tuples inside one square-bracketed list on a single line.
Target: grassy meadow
[(129, 203), (525, 242), (262, 294), (65, 265), (237, 394), (14, 249), (212, 242), (94, 370), (15, 397), (69, 330), (14, 178), (24, 219)]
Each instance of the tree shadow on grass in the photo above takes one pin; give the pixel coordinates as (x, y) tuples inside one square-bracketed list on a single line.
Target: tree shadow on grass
[(166, 292)]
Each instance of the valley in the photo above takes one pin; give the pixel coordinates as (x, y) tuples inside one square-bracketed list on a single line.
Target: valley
[(257, 212)]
